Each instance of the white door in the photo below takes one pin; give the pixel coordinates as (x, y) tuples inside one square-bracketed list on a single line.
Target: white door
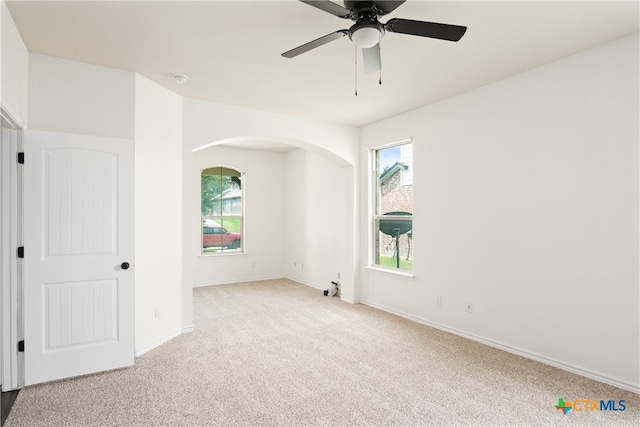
[(78, 246)]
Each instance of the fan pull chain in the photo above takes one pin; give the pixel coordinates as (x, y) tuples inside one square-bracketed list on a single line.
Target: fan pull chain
[(380, 70), (356, 68), (380, 50)]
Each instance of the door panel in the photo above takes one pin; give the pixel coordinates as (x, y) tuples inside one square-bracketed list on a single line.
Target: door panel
[(80, 313), (78, 230), (80, 202)]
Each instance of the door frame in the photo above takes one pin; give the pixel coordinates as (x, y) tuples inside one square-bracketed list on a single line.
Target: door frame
[(11, 328)]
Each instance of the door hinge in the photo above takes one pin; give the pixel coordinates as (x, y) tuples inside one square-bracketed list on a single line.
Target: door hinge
[(21, 346), (21, 158), (20, 252)]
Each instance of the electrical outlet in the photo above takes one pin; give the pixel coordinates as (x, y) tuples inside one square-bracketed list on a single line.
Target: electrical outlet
[(468, 307), (338, 275), (295, 265), (157, 312), (439, 300)]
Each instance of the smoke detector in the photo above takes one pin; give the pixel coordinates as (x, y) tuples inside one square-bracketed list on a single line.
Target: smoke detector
[(181, 78)]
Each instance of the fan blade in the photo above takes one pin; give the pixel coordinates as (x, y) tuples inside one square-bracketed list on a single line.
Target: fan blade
[(388, 6), (371, 59), (315, 43), (426, 29), (329, 7)]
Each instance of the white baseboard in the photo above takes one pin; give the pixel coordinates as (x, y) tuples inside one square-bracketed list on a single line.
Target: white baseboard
[(230, 282), (159, 342), (302, 282), (533, 356), (349, 300), (257, 279), (187, 329)]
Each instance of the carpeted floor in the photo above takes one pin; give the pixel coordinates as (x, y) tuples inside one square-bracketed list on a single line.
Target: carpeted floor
[(279, 353)]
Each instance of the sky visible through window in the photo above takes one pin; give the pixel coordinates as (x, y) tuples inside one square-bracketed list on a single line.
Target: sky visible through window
[(388, 157)]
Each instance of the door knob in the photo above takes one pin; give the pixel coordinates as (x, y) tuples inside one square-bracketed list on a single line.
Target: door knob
[(124, 265)]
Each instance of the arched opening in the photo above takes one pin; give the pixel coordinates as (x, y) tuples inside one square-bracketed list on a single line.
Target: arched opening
[(299, 206), (276, 144)]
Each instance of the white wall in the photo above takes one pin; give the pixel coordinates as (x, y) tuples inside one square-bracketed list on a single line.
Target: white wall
[(313, 227), (158, 214), (14, 68), (264, 222), (85, 99), (206, 123), (526, 205)]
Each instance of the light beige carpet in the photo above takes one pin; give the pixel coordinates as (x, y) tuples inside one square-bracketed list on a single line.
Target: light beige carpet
[(280, 353)]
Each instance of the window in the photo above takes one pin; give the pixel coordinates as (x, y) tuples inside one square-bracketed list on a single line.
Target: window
[(222, 210), (393, 212)]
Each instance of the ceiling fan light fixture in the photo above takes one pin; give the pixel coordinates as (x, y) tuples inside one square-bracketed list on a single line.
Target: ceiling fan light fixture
[(366, 36)]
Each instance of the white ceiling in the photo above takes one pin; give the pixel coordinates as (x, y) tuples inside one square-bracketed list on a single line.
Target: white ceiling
[(231, 49)]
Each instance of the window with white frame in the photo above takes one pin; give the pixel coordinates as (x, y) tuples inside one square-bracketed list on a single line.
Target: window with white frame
[(393, 210), (222, 211)]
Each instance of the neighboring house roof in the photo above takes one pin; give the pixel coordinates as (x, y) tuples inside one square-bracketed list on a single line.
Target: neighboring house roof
[(392, 170), (229, 194)]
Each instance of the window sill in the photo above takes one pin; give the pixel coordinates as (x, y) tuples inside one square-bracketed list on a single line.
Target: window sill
[(221, 255), (395, 273)]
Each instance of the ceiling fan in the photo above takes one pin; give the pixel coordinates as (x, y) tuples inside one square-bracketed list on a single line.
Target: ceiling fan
[(368, 31)]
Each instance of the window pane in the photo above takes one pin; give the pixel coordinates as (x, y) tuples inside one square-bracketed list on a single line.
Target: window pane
[(394, 199), (221, 206), (395, 179)]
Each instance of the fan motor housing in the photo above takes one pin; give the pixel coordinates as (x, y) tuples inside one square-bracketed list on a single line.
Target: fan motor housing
[(363, 9), (358, 6)]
